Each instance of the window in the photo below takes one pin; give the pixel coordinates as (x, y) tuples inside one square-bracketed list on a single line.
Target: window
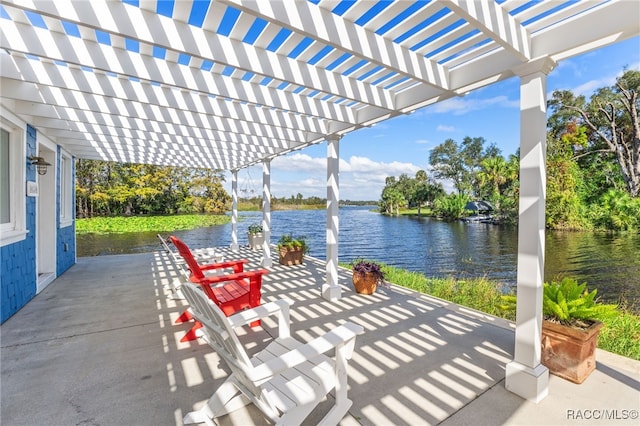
[(5, 195), (66, 201), (12, 183)]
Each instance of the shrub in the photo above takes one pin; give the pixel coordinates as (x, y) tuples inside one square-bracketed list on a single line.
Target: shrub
[(567, 301), (362, 267), (255, 228), (289, 242)]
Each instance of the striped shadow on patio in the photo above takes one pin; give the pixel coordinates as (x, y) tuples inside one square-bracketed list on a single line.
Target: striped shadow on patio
[(100, 346), (419, 361)]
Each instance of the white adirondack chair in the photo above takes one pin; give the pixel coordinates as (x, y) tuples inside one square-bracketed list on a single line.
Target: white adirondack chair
[(287, 379), (202, 255), (177, 260), (179, 264)]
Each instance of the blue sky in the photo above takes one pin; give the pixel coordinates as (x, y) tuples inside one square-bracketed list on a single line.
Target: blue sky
[(402, 144)]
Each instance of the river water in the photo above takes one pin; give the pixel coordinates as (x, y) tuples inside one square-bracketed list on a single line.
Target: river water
[(609, 263)]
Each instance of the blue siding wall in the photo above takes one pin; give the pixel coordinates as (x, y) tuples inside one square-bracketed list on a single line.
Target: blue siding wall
[(66, 249), (18, 261), (66, 241)]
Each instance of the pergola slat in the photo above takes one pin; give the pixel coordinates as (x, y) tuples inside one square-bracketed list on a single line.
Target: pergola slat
[(306, 72)]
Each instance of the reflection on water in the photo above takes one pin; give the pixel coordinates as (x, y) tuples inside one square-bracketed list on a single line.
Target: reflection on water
[(610, 263), (607, 262)]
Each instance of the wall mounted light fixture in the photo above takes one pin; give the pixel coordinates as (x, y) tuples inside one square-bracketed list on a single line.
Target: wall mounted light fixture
[(40, 163)]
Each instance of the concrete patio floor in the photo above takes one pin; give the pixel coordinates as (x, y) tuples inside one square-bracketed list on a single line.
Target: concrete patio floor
[(99, 346)]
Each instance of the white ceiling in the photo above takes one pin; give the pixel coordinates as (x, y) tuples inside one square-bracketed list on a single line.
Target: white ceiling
[(225, 84)]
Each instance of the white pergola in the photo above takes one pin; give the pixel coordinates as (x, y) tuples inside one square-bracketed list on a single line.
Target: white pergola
[(232, 83)]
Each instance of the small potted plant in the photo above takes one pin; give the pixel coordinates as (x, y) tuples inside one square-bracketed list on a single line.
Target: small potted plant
[(292, 250), (255, 236), (572, 322), (366, 276)]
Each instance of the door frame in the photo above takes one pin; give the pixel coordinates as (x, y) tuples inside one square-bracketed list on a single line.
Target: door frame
[(46, 255)]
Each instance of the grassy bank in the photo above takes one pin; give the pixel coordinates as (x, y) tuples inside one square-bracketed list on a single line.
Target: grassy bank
[(105, 225), (620, 335), (425, 211), (477, 293), (247, 206)]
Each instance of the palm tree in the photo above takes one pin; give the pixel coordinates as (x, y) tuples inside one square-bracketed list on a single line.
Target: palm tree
[(391, 200), (493, 173)]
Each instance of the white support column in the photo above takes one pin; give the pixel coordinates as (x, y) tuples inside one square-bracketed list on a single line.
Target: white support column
[(525, 375), (330, 289), (234, 210), (266, 213)]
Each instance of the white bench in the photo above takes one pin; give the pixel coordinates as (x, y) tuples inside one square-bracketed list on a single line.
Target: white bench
[(287, 379)]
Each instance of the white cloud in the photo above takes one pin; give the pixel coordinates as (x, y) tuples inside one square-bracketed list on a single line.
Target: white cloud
[(588, 87), (359, 164), (443, 128), (423, 142), (569, 66), (460, 106), (363, 164), (591, 86), (365, 178), (361, 178), (309, 186), (635, 66), (299, 163)]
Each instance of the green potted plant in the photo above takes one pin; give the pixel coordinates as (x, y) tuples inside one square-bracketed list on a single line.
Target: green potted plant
[(366, 276), (255, 236), (572, 322), (292, 250)]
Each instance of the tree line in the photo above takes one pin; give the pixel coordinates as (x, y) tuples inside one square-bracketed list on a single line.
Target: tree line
[(294, 202), (593, 173), (114, 189), (593, 166), (122, 189)]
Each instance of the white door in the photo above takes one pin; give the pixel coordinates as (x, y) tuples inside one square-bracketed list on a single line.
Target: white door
[(46, 221)]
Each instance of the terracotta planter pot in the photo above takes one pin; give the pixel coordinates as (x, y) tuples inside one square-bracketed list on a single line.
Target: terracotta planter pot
[(364, 283), (569, 352), (291, 256)]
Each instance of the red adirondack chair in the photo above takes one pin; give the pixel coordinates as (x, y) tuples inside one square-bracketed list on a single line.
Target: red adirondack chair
[(231, 292)]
